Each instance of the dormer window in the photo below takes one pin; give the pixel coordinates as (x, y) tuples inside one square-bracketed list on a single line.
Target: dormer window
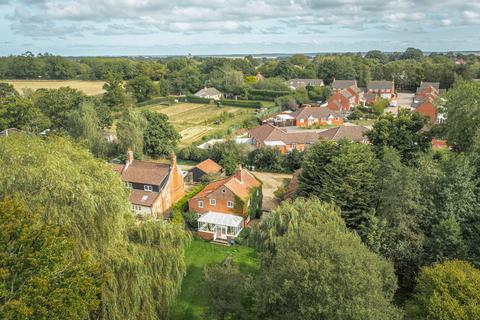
[(147, 187)]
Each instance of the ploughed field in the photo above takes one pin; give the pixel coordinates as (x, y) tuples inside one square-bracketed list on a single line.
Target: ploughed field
[(91, 88), (193, 121)]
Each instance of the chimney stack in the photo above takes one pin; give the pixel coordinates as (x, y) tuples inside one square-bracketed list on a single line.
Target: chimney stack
[(129, 157)]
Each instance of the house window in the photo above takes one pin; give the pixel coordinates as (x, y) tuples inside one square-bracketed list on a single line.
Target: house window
[(200, 203), (136, 207), (213, 202), (147, 188), (294, 146), (223, 190), (230, 204)]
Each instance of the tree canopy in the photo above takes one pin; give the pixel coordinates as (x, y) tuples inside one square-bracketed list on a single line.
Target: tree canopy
[(86, 198)]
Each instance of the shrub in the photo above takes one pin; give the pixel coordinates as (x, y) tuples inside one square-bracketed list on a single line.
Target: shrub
[(243, 236)]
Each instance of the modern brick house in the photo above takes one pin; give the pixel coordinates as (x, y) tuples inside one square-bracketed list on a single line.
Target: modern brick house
[(380, 89), (155, 187), (309, 116), (424, 101), (267, 135), (226, 206), (207, 167), (344, 100)]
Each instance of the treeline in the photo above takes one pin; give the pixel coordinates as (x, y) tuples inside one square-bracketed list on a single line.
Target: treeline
[(69, 112), (181, 75)]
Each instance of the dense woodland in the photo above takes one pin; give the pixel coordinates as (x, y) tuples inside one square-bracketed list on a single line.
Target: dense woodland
[(388, 230)]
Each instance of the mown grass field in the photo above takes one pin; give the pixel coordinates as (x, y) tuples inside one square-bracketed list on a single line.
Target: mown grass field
[(192, 301), (91, 88), (193, 121)]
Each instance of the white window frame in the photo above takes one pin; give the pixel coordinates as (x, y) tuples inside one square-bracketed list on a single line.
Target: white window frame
[(136, 207), (212, 202), (200, 203), (229, 204), (147, 187), (294, 146)]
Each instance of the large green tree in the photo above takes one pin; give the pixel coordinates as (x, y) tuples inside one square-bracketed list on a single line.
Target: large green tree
[(343, 174), (449, 290), (322, 271), (115, 94), (160, 137), (142, 88), (87, 199), (462, 108), (39, 279), (402, 132)]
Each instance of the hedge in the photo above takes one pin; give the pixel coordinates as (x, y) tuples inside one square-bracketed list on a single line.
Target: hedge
[(269, 95), (241, 103), (194, 99), (153, 101)]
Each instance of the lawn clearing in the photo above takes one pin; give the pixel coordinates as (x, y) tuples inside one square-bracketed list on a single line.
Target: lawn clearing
[(91, 88), (194, 121), (192, 301)]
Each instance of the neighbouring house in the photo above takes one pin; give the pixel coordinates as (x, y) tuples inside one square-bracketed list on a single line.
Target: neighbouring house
[(209, 93), (425, 99), (206, 167), (309, 116), (155, 187), (338, 85), (295, 84), (259, 77), (380, 89), (226, 206), (267, 135), (352, 133), (428, 109), (343, 100)]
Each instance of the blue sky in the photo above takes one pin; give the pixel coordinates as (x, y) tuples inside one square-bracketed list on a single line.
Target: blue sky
[(168, 27)]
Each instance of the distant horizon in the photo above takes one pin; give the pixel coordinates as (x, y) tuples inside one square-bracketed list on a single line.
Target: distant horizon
[(257, 55)]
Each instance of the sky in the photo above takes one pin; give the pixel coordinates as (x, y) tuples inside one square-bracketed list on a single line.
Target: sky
[(208, 27)]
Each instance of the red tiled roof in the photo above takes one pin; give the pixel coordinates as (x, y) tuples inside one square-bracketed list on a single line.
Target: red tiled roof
[(427, 109), (240, 184), (268, 132), (209, 166), (316, 112), (353, 133), (144, 172), (143, 198)]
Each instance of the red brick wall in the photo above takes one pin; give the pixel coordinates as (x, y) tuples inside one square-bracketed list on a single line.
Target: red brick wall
[(221, 203)]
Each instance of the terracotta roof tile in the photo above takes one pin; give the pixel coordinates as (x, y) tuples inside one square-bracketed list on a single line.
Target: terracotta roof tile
[(143, 198), (144, 172), (209, 166)]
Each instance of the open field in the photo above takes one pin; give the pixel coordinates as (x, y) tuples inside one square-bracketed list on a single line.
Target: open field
[(193, 121), (192, 301), (91, 88)]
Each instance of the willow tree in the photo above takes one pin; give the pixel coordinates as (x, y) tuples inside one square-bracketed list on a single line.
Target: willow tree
[(145, 263)]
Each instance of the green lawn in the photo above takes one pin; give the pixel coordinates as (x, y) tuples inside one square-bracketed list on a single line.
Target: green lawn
[(192, 300)]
